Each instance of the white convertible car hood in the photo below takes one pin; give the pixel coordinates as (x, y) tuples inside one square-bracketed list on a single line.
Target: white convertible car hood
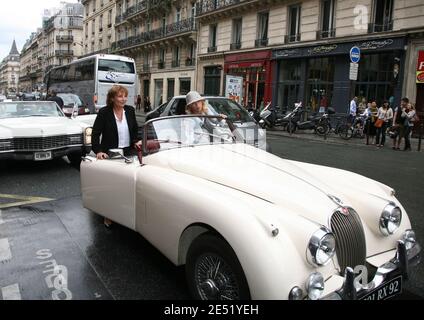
[(287, 184), (38, 127)]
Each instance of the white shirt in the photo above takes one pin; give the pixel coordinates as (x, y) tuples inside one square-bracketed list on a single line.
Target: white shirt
[(123, 131), (352, 108)]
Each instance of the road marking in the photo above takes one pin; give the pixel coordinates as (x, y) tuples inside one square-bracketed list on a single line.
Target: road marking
[(5, 253), (24, 200), (1, 220), (11, 292)]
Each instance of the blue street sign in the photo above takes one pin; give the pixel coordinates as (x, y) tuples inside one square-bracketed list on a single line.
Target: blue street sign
[(355, 54)]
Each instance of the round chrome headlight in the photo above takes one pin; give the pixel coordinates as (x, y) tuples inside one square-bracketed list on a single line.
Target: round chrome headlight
[(390, 219), (322, 247), (315, 286)]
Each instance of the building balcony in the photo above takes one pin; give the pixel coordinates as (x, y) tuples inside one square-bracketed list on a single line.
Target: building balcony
[(292, 38), (64, 53), (145, 6), (374, 27), (175, 64), (170, 30), (227, 7), (212, 49), (161, 65), (146, 68), (325, 34), (235, 46), (190, 62), (65, 39), (261, 43)]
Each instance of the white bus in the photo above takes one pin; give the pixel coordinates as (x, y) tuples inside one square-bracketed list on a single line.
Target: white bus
[(91, 78)]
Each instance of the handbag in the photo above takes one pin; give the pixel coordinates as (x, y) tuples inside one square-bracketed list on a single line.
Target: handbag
[(378, 123)]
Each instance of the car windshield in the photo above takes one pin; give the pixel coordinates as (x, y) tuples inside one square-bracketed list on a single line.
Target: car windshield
[(29, 109), (228, 107), (70, 99), (188, 131)]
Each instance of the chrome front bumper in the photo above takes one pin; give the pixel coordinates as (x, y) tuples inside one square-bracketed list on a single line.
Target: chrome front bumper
[(398, 266)]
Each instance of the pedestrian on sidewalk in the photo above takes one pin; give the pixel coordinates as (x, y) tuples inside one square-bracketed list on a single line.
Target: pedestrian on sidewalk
[(353, 108), (384, 117), (399, 123), (373, 118), (147, 105), (138, 105), (409, 115)]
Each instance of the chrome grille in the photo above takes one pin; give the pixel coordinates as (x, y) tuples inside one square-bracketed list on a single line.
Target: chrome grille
[(40, 143), (350, 239)]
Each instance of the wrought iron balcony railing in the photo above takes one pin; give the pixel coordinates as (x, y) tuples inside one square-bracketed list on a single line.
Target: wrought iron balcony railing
[(292, 38), (175, 63), (387, 26), (212, 49), (261, 42), (64, 52), (190, 62), (235, 46), (161, 65), (146, 67), (65, 38), (157, 34), (206, 6), (325, 34)]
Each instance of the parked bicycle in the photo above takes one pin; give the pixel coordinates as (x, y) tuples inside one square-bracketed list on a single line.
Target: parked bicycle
[(354, 130)]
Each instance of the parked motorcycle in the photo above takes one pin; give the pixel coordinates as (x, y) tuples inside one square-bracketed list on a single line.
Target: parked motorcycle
[(319, 122), (270, 118)]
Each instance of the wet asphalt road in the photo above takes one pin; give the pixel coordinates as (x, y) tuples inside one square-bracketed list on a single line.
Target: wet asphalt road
[(118, 263)]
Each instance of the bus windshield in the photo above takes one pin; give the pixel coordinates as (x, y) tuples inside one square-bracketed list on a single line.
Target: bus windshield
[(116, 66)]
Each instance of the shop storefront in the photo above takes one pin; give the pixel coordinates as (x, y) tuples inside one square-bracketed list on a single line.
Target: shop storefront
[(319, 76), (256, 70)]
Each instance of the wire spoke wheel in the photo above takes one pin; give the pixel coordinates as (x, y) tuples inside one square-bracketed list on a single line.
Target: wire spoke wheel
[(215, 280)]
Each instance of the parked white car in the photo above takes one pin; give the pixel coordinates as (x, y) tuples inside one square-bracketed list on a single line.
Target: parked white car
[(39, 130), (250, 225)]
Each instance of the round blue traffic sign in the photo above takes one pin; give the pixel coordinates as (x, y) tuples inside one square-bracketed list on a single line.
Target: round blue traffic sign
[(355, 54)]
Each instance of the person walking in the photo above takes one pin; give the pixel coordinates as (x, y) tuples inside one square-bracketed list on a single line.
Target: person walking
[(138, 105), (55, 98), (384, 118)]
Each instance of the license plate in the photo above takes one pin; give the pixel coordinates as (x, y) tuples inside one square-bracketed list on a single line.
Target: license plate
[(386, 290), (40, 156)]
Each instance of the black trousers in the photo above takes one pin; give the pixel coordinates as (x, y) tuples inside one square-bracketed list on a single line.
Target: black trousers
[(407, 134), (381, 132)]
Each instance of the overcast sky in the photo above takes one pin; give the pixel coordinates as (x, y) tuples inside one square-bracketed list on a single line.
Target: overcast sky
[(18, 18)]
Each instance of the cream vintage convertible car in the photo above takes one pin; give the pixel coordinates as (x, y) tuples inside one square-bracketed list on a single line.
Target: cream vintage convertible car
[(39, 130), (250, 225)]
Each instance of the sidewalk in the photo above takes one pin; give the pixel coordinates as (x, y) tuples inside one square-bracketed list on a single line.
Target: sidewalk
[(309, 135), (335, 139)]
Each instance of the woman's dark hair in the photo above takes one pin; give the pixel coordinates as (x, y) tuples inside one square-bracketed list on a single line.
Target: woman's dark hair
[(113, 92)]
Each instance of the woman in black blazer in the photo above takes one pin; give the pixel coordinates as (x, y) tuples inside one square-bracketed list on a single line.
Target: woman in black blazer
[(116, 124)]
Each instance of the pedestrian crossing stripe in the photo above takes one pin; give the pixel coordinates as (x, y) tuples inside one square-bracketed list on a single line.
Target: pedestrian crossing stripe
[(21, 200)]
